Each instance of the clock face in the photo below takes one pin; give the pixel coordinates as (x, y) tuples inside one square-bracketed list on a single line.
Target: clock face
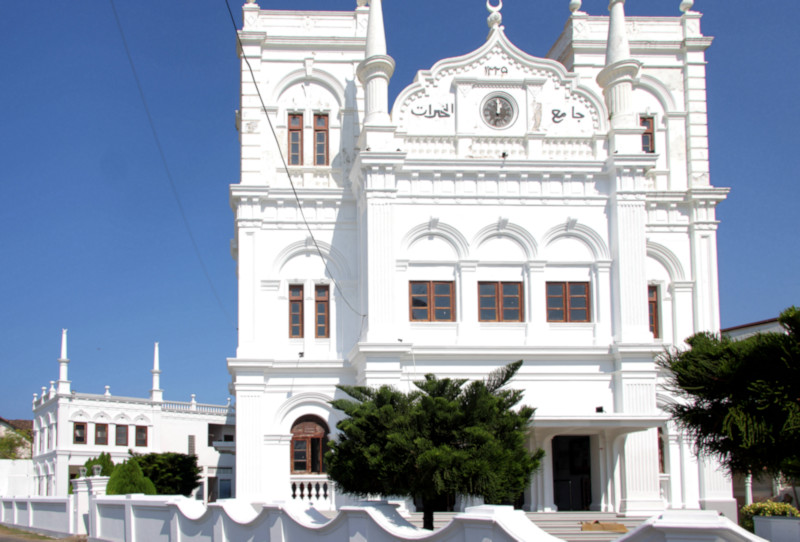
[(498, 112)]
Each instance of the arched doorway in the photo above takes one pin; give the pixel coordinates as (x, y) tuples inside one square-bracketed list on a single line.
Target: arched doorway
[(309, 442)]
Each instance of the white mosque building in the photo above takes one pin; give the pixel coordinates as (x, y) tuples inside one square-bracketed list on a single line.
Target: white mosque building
[(70, 428), (553, 209), (557, 210)]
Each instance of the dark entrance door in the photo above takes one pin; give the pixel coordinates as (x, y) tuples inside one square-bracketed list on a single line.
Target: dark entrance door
[(572, 473)]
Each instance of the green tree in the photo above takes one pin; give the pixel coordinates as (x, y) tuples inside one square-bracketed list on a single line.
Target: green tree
[(741, 399), (128, 478), (104, 460), (447, 437), (172, 473), (11, 445)]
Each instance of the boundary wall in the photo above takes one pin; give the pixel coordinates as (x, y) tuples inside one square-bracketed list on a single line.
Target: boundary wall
[(128, 518)]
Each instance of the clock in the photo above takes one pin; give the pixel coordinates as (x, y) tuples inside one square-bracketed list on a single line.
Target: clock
[(498, 111)]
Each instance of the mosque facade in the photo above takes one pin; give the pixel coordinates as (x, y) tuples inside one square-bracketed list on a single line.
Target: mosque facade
[(553, 209)]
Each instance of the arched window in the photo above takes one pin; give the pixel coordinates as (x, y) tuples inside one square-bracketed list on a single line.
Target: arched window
[(309, 441)]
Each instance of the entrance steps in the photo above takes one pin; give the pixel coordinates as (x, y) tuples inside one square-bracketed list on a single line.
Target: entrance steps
[(563, 525), (567, 525)]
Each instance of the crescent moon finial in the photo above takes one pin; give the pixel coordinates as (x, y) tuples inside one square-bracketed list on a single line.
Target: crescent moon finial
[(494, 18)]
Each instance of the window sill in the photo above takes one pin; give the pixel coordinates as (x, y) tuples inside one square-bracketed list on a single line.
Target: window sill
[(571, 325)]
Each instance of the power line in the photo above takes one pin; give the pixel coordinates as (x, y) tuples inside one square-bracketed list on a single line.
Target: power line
[(166, 167), (286, 167)]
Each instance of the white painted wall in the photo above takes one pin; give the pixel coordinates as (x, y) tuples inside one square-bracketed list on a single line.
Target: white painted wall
[(436, 193)]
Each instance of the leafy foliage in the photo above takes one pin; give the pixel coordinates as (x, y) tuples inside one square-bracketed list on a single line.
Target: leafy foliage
[(767, 508), (446, 437), (104, 460), (741, 399), (11, 445), (128, 478), (172, 473)]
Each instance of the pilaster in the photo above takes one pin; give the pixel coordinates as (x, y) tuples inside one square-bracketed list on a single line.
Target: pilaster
[(694, 80), (703, 237), (252, 470), (628, 218)]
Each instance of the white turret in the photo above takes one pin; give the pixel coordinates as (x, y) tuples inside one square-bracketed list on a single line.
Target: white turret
[(376, 69), (156, 394), (63, 362), (617, 78)]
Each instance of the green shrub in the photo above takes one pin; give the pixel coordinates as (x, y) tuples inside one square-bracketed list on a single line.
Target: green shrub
[(127, 478), (171, 473), (767, 508)]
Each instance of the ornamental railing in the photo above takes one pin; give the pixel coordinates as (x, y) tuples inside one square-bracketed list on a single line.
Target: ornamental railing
[(316, 489)]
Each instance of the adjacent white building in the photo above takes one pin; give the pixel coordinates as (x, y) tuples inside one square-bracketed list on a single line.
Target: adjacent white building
[(70, 428), (557, 210)]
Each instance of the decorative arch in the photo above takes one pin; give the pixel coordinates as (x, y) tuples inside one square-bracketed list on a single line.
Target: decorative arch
[(79, 416), (517, 233), (323, 79), (121, 417), (571, 229), (433, 227), (141, 419), (303, 404), (101, 416), (336, 261), (658, 90), (667, 258)]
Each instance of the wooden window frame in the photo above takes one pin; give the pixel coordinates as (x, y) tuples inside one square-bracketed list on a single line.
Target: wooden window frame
[(117, 440), (325, 133), (653, 309), (649, 134), (499, 303), (296, 301), (431, 300), (97, 439), (300, 434), (295, 159), (136, 440), (566, 299), (85, 438), (322, 309)]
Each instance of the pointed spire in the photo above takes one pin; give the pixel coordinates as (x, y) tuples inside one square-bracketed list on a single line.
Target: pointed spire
[(63, 344), (376, 34), (156, 393), (63, 363), (617, 79), (376, 69), (156, 360), (617, 47)]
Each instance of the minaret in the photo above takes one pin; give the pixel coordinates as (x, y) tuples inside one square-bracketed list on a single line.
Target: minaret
[(376, 70), (156, 394), (617, 78), (63, 362)]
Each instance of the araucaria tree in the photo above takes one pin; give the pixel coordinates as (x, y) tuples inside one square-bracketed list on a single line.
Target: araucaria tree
[(447, 437), (741, 399)]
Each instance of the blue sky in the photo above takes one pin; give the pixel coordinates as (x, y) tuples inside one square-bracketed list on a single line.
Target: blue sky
[(92, 237)]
